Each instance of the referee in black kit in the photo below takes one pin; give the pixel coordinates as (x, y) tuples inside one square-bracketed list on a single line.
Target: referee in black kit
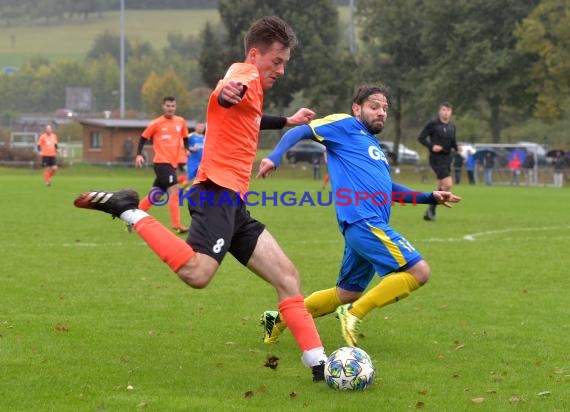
[(439, 137)]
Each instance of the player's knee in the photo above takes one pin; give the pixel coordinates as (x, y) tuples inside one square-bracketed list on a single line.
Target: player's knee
[(421, 272), (288, 283), (347, 296), (195, 277)]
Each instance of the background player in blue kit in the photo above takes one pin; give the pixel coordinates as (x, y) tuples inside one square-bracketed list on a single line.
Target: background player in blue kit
[(357, 165), (196, 148)]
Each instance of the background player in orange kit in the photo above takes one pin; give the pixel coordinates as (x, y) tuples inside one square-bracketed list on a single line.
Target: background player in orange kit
[(47, 146), (169, 134)]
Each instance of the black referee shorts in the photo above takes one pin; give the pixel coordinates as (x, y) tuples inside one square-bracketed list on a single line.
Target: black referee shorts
[(441, 165)]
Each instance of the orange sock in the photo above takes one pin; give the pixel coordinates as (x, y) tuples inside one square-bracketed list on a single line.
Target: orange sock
[(174, 209), (145, 204), (182, 178), (326, 180), (174, 251), (294, 313), (46, 176), (51, 172)]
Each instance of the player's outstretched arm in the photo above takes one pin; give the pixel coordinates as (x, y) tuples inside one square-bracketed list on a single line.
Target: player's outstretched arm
[(289, 139), (445, 198), (302, 116)]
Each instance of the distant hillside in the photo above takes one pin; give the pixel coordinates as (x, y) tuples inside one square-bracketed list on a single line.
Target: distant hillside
[(71, 39)]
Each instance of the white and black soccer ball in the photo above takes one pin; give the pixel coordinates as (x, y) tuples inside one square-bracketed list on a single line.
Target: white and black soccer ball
[(349, 368)]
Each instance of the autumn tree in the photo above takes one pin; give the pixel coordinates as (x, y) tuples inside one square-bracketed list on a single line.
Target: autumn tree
[(545, 35), (156, 87)]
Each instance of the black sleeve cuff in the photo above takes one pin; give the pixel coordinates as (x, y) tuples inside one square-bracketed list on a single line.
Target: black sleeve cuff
[(223, 102), (272, 122), (142, 142)]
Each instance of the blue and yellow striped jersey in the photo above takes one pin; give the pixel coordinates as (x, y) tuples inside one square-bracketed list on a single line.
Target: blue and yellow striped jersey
[(358, 168)]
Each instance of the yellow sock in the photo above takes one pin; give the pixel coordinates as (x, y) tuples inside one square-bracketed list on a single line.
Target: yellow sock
[(322, 302), (318, 304), (390, 290)]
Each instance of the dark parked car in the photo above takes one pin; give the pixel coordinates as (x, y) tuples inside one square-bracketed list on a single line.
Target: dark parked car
[(306, 151)]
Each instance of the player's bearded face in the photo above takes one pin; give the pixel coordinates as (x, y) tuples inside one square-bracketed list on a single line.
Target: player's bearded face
[(374, 112)]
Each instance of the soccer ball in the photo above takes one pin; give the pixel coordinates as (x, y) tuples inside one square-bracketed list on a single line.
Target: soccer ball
[(350, 369)]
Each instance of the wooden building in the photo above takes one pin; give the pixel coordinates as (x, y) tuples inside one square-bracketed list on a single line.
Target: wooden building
[(114, 141)]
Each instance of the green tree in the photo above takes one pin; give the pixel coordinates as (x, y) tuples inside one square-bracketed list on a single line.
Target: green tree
[(198, 101), (315, 24), (545, 34), (188, 47), (472, 57), (390, 51), (87, 7), (108, 43), (136, 74), (65, 74), (103, 78), (48, 10), (329, 88), (211, 56)]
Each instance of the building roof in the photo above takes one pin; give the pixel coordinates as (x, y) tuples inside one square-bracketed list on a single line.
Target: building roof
[(124, 123)]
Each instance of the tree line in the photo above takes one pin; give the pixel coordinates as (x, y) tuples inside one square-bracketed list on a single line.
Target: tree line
[(499, 62)]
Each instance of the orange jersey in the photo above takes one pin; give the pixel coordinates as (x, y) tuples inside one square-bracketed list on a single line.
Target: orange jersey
[(167, 138), (232, 133), (47, 142)]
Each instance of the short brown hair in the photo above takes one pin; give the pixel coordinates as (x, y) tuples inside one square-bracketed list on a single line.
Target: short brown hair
[(268, 30), (363, 92)]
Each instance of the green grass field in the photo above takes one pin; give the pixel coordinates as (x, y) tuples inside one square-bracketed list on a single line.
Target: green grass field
[(91, 320)]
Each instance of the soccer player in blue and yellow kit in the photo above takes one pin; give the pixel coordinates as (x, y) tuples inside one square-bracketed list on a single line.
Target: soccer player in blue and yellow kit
[(363, 193)]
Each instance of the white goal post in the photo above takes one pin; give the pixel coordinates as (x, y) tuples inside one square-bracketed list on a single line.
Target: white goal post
[(23, 140)]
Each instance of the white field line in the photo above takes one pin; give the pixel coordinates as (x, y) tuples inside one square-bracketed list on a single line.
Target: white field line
[(474, 236), (470, 237)]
